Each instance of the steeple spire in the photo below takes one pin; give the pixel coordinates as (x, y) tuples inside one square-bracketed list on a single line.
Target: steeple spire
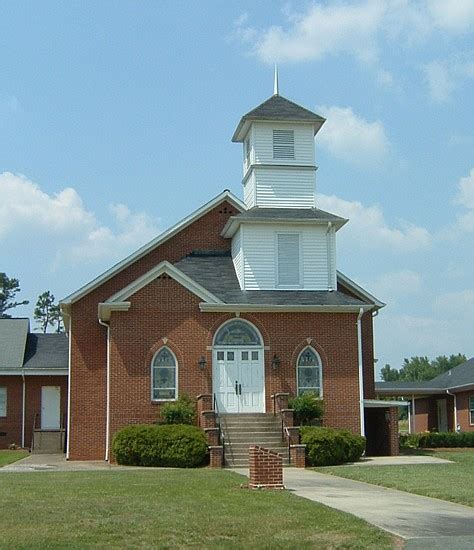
[(275, 81)]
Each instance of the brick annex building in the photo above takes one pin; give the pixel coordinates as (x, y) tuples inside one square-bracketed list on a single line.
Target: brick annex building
[(240, 302)]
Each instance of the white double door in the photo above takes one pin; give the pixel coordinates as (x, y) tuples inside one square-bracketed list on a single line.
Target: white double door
[(239, 381)]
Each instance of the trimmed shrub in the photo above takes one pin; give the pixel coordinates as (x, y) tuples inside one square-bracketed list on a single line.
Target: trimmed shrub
[(167, 445), (328, 447), (307, 408), (435, 440), (182, 411)]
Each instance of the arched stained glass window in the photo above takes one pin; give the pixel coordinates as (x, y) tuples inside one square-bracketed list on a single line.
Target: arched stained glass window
[(308, 372), (237, 333), (164, 367)]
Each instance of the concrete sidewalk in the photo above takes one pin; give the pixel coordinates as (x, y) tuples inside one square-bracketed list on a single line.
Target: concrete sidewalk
[(404, 514), (55, 463)]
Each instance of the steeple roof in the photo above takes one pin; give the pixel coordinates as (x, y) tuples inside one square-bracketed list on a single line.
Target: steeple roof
[(277, 108)]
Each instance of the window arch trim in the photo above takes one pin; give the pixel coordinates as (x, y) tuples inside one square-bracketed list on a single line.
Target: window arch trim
[(251, 326), (318, 367), (153, 366)]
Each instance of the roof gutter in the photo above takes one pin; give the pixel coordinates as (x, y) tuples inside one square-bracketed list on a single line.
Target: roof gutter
[(281, 308), (107, 404), (455, 411), (361, 372)]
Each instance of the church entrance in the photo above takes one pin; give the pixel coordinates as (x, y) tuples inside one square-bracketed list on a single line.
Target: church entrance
[(238, 368)]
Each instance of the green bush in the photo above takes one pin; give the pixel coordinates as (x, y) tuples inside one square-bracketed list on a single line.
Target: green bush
[(328, 447), (435, 440), (168, 445), (307, 408), (182, 411)]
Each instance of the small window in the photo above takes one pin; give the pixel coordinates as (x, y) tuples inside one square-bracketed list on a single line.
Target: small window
[(471, 409), (164, 377), (283, 144), (3, 401), (220, 356), (254, 355), (288, 260), (309, 372), (237, 333), (230, 356), (245, 356)]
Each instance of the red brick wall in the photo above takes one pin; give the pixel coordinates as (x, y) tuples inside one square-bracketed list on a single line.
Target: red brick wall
[(265, 468), (13, 423), (463, 410), (164, 309), (88, 338)]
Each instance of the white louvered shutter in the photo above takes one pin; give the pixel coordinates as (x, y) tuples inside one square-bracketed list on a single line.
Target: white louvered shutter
[(288, 259), (283, 144)]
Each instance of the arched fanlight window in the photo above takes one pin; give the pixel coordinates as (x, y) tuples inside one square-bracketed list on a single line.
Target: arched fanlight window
[(237, 333), (308, 372), (164, 375)]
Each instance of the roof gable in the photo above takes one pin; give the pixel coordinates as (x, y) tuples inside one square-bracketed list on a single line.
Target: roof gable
[(13, 334), (141, 252)]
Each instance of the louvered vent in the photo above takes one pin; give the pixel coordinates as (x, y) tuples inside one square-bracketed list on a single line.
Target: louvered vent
[(283, 144), (288, 259)]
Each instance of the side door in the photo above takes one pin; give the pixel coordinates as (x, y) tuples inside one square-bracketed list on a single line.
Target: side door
[(226, 375)]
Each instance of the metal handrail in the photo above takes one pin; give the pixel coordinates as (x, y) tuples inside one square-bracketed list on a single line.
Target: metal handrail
[(219, 426), (288, 437)]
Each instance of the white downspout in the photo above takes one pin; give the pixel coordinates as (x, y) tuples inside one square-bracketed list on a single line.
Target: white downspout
[(23, 412), (107, 406), (329, 254), (361, 372), (409, 420), (413, 413), (455, 410), (68, 435)]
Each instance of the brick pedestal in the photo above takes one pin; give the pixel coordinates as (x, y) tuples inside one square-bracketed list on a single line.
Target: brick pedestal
[(294, 435), (266, 470), (216, 453), (204, 403), (287, 416), (212, 435), (280, 402), (208, 419), (298, 456), (394, 446)]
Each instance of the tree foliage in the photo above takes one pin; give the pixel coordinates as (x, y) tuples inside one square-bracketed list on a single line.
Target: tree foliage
[(47, 312), (421, 368), (9, 288)]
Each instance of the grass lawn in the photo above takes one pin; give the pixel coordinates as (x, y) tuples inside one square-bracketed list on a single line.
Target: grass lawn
[(168, 509), (453, 482), (7, 457)]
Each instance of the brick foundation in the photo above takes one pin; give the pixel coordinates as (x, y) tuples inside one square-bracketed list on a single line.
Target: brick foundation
[(216, 454), (266, 470)]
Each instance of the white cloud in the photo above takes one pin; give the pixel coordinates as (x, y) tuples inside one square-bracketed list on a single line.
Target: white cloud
[(62, 218), (440, 80), (465, 197), (385, 78), (321, 30), (369, 229), (459, 304), (397, 283), (350, 137), (455, 16)]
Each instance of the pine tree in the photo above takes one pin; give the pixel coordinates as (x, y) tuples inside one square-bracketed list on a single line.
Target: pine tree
[(9, 288)]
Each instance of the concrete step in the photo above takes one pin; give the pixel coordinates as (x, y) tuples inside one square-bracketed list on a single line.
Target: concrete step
[(251, 429), (262, 441), (48, 441)]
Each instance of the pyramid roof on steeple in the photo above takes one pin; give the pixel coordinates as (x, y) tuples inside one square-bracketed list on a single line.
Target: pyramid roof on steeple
[(277, 108)]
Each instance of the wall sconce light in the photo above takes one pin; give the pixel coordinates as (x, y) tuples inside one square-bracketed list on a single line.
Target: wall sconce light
[(276, 362), (202, 362)]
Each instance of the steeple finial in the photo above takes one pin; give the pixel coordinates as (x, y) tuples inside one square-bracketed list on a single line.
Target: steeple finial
[(275, 81)]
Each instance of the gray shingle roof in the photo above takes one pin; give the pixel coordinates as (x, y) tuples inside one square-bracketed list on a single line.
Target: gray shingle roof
[(288, 214), (13, 334), (46, 351), (215, 272), (462, 375), (279, 108)]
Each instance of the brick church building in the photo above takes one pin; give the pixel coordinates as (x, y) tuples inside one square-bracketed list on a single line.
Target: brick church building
[(241, 301)]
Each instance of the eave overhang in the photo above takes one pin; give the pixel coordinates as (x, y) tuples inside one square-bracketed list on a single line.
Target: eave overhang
[(246, 121), (409, 391), (234, 223), (244, 308), (381, 404), (34, 372)]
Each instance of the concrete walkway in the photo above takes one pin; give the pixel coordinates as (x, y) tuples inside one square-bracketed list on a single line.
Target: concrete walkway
[(404, 514), (55, 463)]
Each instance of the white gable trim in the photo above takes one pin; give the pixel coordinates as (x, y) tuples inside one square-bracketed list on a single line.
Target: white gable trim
[(119, 301), (225, 195), (359, 291), (243, 308)]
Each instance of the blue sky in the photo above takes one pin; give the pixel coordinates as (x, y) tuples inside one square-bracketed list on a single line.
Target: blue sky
[(116, 119)]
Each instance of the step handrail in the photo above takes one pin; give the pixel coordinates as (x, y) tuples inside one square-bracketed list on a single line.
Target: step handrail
[(288, 437), (219, 426), (33, 433)]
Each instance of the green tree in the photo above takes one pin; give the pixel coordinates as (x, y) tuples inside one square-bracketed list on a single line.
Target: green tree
[(389, 375), (47, 312), (9, 288)]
